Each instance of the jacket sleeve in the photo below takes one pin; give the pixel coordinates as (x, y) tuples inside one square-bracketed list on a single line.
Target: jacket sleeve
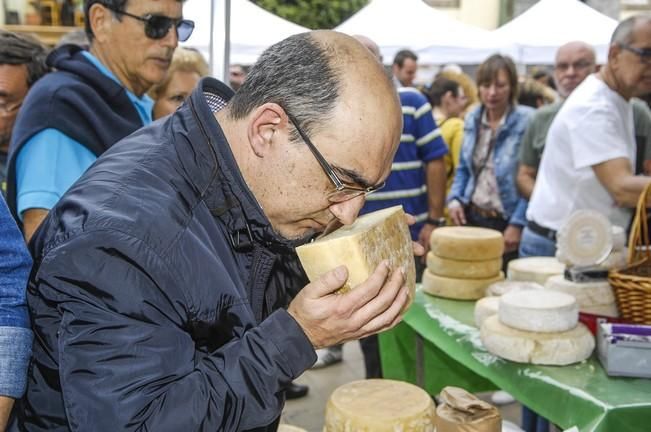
[(519, 216), (127, 360), (462, 174), (15, 333)]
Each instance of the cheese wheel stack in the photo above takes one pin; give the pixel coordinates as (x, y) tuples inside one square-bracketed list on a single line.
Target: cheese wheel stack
[(488, 305), (539, 327), (379, 405), (534, 269), (594, 297), (463, 262)]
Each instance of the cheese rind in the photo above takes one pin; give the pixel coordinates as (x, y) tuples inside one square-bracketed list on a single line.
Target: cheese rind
[(554, 349), (361, 247), (586, 293), (501, 288), (534, 269), (453, 288), (586, 238), (463, 269), (467, 243), (289, 428), (542, 311), (484, 308), (379, 405)]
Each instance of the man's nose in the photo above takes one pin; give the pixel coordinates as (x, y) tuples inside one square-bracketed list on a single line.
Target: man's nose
[(171, 39), (347, 211)]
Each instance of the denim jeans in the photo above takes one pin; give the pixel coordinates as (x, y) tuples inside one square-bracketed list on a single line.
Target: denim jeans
[(533, 244)]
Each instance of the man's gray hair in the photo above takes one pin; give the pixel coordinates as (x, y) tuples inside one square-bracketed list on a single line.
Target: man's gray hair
[(623, 33), (297, 74)]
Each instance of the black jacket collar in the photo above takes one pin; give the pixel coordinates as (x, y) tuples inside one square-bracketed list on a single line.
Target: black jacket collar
[(218, 179)]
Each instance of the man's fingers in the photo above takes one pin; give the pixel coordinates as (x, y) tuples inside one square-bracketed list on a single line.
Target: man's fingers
[(383, 301), (327, 283), (367, 290), (410, 219), (389, 316), (419, 250)]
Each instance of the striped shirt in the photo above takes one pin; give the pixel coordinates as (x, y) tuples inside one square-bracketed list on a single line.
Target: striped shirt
[(420, 143)]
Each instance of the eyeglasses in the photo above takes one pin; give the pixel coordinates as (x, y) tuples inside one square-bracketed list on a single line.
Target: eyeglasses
[(579, 65), (342, 192), (157, 26), (6, 109), (643, 53)]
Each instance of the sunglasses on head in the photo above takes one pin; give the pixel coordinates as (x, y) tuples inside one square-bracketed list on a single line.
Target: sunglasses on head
[(157, 26)]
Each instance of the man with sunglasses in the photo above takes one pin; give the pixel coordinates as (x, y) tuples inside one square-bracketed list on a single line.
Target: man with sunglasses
[(154, 297), (95, 98), (590, 152)]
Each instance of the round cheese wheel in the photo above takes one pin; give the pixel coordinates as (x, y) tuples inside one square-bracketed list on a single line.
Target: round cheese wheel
[(543, 311), (453, 288), (463, 269), (534, 269), (379, 405), (467, 243), (585, 293), (619, 238), (586, 238), (609, 310), (289, 428), (501, 288), (558, 349), (484, 308), (616, 260)]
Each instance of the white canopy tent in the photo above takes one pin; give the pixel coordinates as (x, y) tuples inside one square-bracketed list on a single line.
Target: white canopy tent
[(412, 24), (252, 30), (548, 24)]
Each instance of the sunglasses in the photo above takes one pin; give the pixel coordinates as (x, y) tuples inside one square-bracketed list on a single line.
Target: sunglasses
[(342, 192), (643, 53), (157, 26)]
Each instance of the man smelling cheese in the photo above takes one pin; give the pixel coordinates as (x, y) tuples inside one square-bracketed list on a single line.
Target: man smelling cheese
[(361, 246)]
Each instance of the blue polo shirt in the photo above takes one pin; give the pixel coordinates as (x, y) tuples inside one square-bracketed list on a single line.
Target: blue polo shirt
[(420, 143), (50, 162)]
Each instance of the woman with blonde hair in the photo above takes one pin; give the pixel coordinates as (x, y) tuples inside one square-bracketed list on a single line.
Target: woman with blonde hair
[(187, 68)]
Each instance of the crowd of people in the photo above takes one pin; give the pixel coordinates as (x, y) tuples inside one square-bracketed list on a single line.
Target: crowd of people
[(147, 268)]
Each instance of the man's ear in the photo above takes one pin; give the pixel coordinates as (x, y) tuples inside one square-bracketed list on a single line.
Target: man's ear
[(100, 19), (266, 122), (613, 51)]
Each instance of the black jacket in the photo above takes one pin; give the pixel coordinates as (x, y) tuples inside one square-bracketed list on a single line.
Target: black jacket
[(151, 293), (78, 100)]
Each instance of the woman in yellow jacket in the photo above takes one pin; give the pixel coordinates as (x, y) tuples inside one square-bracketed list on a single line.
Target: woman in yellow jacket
[(448, 100)]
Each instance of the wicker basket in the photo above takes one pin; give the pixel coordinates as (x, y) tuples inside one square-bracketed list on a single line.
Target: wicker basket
[(632, 284)]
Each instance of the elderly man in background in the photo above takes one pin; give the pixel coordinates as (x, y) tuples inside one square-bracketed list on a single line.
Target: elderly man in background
[(590, 150), (22, 63), (94, 99), (575, 61), (153, 299)]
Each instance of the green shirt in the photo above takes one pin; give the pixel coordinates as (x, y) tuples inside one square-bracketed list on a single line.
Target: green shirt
[(533, 141)]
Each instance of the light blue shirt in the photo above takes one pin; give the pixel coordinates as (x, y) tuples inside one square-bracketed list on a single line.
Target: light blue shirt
[(50, 161)]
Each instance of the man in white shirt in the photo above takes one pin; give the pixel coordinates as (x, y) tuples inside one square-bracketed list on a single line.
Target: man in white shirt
[(589, 155)]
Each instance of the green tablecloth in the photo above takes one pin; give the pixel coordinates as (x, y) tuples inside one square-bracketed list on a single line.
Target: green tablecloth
[(441, 335)]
